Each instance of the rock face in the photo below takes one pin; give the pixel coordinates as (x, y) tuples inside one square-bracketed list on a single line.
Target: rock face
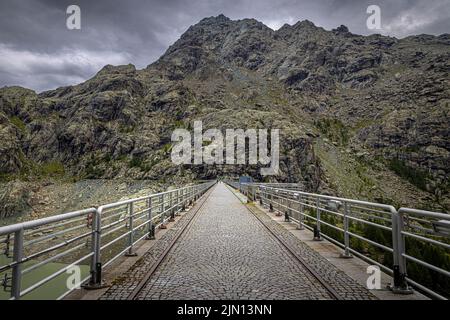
[(15, 198), (382, 97)]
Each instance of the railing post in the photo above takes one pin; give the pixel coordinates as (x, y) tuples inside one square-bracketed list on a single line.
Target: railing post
[(300, 215), (288, 211), (173, 206), (279, 206), (163, 212), (317, 236), (183, 199), (178, 202), (346, 253), (400, 285), (151, 227), (96, 266), (16, 281), (130, 252)]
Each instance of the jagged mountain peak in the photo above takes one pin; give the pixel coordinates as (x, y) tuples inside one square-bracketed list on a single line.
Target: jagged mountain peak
[(215, 19), (367, 95), (119, 69), (304, 24)]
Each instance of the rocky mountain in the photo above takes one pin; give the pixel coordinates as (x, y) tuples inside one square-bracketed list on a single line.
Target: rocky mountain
[(360, 116)]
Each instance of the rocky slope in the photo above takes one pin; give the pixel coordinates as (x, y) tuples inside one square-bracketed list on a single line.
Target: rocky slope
[(360, 116)]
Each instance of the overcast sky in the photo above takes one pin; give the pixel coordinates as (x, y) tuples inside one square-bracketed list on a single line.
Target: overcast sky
[(38, 51)]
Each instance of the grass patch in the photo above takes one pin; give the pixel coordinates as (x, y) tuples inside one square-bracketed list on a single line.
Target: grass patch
[(139, 162), (18, 123), (334, 129), (52, 168), (414, 176), (135, 162)]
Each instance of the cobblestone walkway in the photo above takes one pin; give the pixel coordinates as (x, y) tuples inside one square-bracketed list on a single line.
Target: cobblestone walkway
[(226, 253)]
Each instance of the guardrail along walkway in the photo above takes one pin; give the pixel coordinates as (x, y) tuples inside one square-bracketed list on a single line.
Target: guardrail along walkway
[(226, 252)]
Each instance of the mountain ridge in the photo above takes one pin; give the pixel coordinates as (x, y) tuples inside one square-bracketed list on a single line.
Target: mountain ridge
[(356, 112)]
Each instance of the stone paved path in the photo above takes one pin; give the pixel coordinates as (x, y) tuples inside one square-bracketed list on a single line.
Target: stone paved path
[(226, 253)]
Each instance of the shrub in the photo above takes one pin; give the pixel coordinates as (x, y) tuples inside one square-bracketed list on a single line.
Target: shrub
[(18, 123), (415, 176), (52, 168)]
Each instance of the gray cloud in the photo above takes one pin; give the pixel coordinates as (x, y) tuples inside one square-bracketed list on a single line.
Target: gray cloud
[(37, 51)]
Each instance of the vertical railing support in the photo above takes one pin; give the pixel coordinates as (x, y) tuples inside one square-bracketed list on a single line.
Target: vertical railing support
[(183, 199), (287, 213), (300, 216), (178, 202), (130, 253), (151, 226), (270, 199), (95, 280), (346, 253), (400, 284), (279, 206), (317, 236), (163, 212), (173, 205), (16, 283)]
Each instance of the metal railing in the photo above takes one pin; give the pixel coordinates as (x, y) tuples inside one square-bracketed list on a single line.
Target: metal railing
[(356, 225), (93, 238)]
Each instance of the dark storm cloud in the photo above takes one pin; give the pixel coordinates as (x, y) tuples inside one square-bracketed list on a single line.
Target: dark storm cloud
[(38, 51)]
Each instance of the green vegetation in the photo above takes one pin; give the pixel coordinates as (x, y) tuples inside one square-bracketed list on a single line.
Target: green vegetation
[(415, 176), (139, 162), (126, 129), (93, 171), (334, 129), (18, 123), (52, 168), (31, 170), (167, 148), (435, 255), (180, 124), (135, 162)]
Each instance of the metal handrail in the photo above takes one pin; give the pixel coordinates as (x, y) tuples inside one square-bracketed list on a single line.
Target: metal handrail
[(110, 216), (301, 207)]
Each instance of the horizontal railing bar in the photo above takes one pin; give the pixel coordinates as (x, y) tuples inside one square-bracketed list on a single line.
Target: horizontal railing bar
[(52, 235), (59, 255), (43, 221), (370, 223), (425, 289), (53, 275), (53, 226), (37, 254), (425, 264), (412, 235), (370, 241)]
